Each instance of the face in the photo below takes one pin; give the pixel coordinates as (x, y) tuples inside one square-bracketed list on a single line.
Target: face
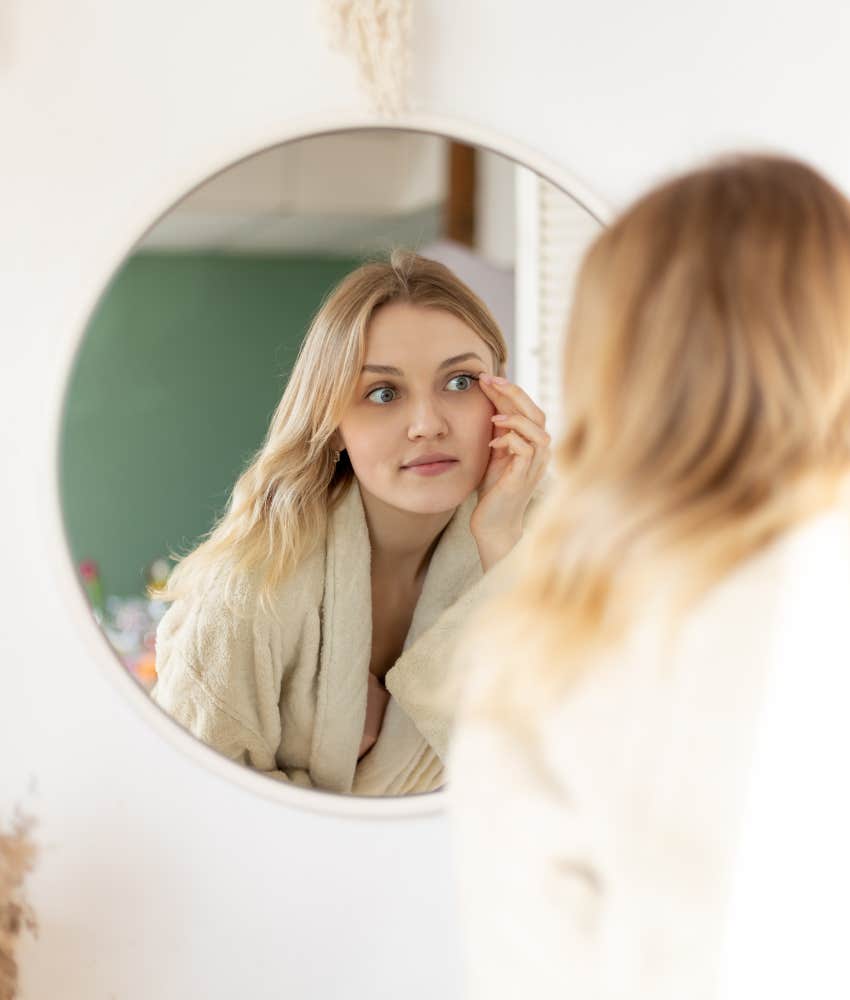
[(416, 398)]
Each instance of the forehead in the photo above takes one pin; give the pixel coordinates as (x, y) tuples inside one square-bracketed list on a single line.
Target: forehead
[(409, 336)]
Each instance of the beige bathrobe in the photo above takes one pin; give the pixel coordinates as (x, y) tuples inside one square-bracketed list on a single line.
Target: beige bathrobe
[(601, 869), (288, 696)]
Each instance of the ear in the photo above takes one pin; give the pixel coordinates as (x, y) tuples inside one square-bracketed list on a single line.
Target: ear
[(337, 441)]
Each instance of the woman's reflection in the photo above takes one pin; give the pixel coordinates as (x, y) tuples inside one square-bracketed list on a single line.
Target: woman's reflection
[(311, 631)]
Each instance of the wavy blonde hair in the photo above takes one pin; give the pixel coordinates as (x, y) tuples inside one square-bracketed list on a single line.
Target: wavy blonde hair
[(707, 395), (278, 509)]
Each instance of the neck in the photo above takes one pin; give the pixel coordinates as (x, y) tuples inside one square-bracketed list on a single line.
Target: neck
[(402, 542)]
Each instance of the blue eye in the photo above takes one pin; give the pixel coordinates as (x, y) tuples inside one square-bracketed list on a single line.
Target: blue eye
[(468, 382), (382, 400)]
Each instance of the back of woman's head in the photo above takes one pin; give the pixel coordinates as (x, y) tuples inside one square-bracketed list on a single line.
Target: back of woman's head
[(279, 505), (707, 400), (709, 347)]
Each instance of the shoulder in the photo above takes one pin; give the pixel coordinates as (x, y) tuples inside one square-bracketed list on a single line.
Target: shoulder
[(236, 606), (803, 573)]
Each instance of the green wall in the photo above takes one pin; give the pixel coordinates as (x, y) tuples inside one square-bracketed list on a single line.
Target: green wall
[(181, 368)]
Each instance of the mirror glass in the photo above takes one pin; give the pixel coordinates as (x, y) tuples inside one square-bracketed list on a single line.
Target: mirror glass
[(313, 619)]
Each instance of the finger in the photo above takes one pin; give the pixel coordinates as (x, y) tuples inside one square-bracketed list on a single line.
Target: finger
[(498, 399), (537, 435), (521, 454), (519, 397), (524, 426), (515, 444)]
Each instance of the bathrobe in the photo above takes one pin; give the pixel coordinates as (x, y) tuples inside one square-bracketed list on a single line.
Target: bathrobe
[(285, 694), (598, 863)]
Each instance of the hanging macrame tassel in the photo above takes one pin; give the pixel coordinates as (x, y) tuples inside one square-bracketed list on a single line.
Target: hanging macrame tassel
[(376, 34)]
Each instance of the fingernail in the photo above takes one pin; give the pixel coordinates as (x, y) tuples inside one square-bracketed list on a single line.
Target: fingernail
[(499, 416), (499, 380)]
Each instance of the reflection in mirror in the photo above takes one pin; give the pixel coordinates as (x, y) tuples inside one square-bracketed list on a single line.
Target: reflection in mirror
[(282, 483)]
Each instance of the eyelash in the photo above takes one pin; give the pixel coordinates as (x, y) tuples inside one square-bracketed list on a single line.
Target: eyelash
[(377, 388)]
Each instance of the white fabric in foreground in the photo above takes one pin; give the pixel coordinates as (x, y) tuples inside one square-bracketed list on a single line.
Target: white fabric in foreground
[(789, 916), (601, 867)]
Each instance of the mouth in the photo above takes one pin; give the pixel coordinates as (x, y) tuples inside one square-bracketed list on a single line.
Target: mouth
[(431, 465)]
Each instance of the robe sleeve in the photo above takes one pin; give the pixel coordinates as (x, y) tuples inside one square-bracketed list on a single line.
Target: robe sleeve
[(218, 678), (421, 680)]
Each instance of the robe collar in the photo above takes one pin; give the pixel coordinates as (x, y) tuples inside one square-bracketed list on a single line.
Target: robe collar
[(346, 628)]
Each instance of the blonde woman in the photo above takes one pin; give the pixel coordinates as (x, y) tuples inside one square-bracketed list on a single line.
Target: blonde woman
[(309, 631), (695, 540)]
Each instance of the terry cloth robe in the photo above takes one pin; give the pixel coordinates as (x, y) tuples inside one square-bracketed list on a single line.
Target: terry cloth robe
[(597, 862), (285, 693)]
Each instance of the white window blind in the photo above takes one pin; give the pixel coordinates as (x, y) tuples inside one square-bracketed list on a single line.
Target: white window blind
[(553, 232)]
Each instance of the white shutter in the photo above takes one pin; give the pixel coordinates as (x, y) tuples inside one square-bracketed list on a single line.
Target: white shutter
[(553, 232)]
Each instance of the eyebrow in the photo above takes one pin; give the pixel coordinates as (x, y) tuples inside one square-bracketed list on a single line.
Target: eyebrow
[(389, 370)]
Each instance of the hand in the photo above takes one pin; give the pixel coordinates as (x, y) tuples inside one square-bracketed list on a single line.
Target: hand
[(377, 698), (519, 455)]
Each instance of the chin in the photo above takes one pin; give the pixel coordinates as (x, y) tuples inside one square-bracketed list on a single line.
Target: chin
[(433, 499), (429, 498)]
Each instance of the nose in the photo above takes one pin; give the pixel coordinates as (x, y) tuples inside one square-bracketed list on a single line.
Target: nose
[(426, 420)]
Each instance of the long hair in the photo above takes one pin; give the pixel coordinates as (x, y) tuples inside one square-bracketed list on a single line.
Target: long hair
[(707, 394), (278, 509)]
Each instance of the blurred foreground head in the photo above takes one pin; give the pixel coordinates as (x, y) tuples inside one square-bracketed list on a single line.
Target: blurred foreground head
[(707, 400), (709, 346)]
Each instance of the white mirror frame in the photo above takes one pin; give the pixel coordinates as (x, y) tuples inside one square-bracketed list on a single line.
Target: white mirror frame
[(317, 801)]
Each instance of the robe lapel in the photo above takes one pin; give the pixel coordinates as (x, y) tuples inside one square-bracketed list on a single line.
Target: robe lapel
[(455, 567), (402, 762), (346, 647)]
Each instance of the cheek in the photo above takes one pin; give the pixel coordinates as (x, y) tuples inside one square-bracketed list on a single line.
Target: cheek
[(477, 427), (367, 442)]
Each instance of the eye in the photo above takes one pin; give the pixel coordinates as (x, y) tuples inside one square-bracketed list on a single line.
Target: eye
[(382, 395), (465, 382)]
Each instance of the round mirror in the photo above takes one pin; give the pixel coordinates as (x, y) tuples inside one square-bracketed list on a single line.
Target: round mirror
[(275, 435)]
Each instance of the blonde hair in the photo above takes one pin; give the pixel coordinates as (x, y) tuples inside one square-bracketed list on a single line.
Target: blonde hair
[(279, 506), (707, 395)]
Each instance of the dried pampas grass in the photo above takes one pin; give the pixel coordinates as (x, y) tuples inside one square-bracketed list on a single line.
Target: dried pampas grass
[(376, 34), (17, 859)]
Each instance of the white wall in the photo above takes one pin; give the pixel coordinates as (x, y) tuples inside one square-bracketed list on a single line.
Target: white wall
[(495, 229), (157, 879)]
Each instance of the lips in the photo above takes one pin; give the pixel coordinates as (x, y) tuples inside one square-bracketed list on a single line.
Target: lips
[(431, 459)]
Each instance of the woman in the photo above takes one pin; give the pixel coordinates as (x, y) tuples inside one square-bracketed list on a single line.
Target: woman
[(698, 521), (308, 631)]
